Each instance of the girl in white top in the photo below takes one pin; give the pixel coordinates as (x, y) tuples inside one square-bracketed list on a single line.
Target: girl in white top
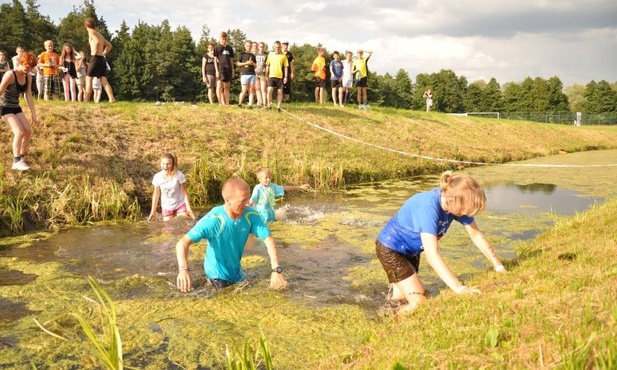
[(170, 187), (347, 76)]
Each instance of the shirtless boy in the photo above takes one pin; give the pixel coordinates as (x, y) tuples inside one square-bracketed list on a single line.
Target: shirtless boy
[(99, 48)]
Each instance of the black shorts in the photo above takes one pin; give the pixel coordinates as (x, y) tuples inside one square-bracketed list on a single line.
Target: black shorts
[(275, 82), (363, 82), (335, 84), (225, 75), (319, 82), (10, 110), (398, 266), (287, 87), (97, 67), (219, 284)]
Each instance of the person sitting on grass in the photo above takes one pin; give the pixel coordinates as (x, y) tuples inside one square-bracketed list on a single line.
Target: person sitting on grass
[(417, 227), (265, 194), (227, 228)]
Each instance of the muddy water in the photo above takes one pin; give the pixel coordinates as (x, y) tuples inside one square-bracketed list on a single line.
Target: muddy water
[(326, 243)]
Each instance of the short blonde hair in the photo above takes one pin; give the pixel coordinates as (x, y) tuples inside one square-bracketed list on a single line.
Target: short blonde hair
[(464, 190)]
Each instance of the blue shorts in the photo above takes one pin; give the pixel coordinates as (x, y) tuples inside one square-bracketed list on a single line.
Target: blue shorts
[(248, 79)]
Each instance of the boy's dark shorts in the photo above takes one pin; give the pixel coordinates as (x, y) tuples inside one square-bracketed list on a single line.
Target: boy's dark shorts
[(335, 84), (320, 82), (275, 82), (287, 87), (363, 82), (97, 67), (398, 266), (225, 75)]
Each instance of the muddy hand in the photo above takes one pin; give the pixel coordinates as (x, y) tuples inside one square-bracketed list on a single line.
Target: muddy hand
[(277, 281)]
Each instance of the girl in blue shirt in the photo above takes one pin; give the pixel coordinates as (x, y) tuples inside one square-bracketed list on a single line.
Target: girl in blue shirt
[(417, 227)]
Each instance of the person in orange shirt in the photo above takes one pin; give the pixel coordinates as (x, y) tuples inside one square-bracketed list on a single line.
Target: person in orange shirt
[(319, 67), (49, 60)]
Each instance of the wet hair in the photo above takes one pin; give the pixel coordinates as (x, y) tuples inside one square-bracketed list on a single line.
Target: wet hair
[(262, 170), (464, 190), (89, 23), (174, 161), (234, 184), (28, 59)]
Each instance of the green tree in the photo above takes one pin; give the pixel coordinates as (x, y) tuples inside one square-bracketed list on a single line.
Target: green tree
[(600, 97), (474, 99), (576, 97), (493, 97)]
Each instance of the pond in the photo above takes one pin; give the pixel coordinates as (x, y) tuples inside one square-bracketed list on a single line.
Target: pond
[(326, 242)]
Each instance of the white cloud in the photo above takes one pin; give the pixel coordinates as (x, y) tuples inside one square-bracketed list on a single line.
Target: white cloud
[(508, 40)]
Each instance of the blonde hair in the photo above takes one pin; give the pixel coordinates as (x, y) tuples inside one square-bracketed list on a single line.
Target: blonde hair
[(262, 170), (174, 161), (464, 190)]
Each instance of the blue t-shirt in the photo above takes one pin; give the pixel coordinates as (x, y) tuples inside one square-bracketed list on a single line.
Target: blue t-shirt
[(422, 213), (264, 199), (226, 239), (337, 69)]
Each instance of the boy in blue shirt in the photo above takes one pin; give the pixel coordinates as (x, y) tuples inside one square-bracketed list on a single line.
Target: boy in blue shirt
[(265, 194)]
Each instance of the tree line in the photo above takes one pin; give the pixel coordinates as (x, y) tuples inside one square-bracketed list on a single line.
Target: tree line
[(154, 62)]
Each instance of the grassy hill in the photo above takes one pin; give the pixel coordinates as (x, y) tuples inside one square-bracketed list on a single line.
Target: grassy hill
[(95, 162)]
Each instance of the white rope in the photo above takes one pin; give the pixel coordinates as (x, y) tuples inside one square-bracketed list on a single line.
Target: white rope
[(443, 159)]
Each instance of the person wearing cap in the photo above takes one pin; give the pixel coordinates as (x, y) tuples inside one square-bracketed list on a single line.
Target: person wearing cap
[(359, 66), (290, 72)]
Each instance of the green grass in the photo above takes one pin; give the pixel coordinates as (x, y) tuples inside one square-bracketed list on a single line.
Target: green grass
[(95, 162)]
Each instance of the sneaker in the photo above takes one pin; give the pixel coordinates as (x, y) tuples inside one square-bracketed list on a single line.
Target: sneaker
[(360, 106), (279, 109), (20, 165), (250, 107)]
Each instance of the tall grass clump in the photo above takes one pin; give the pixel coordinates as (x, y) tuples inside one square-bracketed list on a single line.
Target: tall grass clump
[(248, 358), (105, 342)]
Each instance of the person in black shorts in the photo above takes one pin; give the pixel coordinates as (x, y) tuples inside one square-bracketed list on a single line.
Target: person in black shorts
[(99, 48), (290, 72), (224, 64)]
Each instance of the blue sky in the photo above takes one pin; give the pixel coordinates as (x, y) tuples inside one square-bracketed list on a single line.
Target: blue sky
[(508, 40)]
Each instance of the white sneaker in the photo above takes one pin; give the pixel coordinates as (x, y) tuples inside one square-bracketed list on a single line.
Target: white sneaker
[(20, 165)]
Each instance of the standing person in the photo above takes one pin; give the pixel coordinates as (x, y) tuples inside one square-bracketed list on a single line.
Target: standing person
[(417, 228), (336, 78), (260, 73), (255, 50), (428, 95), (81, 65), (265, 193), (360, 65), (225, 71), (319, 69), (99, 49), (15, 60), (40, 79), (290, 72), (208, 72), (276, 70), (227, 228), (4, 64), (49, 60), (16, 82), (347, 76), (170, 188), (247, 63), (67, 58)]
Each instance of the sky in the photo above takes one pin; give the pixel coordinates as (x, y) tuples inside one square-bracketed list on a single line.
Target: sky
[(575, 40)]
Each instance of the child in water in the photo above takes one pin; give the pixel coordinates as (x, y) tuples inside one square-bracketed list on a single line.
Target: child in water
[(170, 187), (417, 227), (266, 192)]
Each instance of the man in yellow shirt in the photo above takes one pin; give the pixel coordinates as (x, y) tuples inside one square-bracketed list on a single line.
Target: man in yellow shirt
[(319, 67), (359, 66), (276, 70)]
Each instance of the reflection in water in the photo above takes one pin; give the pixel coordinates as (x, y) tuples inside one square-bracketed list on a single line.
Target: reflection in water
[(536, 197)]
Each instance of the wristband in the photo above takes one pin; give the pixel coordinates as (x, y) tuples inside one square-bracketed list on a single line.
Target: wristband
[(460, 289), (499, 268)]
